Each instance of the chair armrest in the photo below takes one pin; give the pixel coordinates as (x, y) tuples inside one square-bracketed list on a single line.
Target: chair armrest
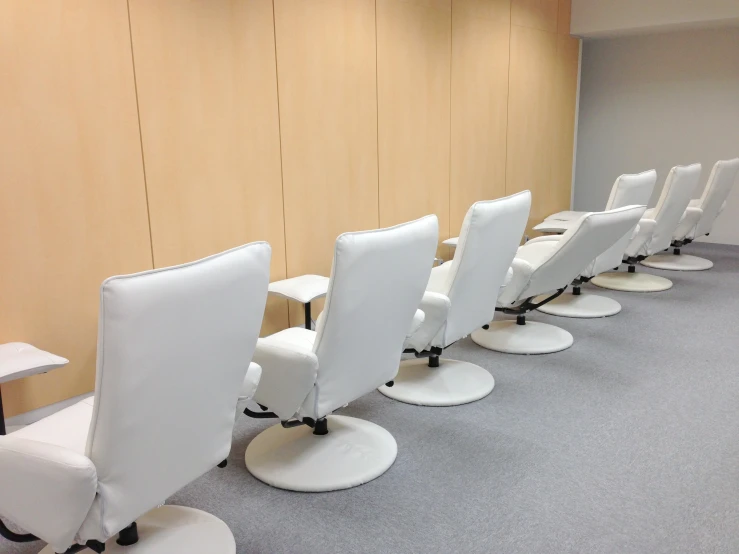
[(690, 218), (520, 275), (435, 308), (439, 279), (644, 231), (544, 238), (288, 375), (303, 289), (249, 387), (45, 489)]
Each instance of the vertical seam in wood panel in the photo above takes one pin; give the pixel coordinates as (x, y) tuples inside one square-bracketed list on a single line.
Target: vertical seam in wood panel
[(279, 135), (377, 120), (451, 67), (141, 136), (508, 97)]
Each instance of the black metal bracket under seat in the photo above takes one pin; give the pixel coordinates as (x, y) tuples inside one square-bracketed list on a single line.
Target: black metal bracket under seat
[(16, 537), (95, 546), (529, 306)]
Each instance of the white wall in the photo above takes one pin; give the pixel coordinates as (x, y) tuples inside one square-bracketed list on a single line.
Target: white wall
[(653, 102), (610, 17)]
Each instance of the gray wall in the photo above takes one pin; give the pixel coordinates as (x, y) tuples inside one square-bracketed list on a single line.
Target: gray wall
[(655, 101)]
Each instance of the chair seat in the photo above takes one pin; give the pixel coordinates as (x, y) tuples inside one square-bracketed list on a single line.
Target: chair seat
[(67, 428)]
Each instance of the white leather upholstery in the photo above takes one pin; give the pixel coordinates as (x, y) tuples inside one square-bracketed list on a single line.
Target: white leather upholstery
[(461, 294), (174, 346), (45, 488), (628, 190), (18, 359), (249, 386), (702, 213), (377, 280), (304, 288), (659, 223), (549, 263)]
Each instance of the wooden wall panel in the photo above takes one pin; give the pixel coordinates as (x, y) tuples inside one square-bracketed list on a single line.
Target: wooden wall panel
[(531, 107), (535, 14), (413, 83), (72, 196), (480, 51), (563, 123), (207, 89), (564, 14), (326, 68)]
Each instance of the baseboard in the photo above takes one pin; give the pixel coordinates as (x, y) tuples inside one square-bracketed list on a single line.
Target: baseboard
[(21, 420)]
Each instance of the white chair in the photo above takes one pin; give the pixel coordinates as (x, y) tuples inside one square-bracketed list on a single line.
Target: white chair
[(173, 349), (628, 190), (655, 233), (460, 298), (546, 265), (377, 281), (698, 220)]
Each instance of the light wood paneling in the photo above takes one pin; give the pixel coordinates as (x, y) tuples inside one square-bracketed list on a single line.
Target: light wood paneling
[(207, 88), (564, 14), (535, 14), (328, 115), (531, 106), (71, 182), (480, 41), (413, 83), (563, 122)]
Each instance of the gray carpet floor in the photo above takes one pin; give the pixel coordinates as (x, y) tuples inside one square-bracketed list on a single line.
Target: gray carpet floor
[(628, 442)]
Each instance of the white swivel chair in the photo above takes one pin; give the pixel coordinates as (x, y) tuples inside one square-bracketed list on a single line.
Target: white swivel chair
[(546, 266), (174, 346), (628, 190), (698, 220), (377, 281), (460, 298), (655, 233)]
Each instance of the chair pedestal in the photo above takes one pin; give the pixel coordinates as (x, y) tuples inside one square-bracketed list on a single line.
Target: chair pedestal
[(631, 282), (532, 338), (353, 452), (681, 262), (581, 306), (175, 529), (451, 384)]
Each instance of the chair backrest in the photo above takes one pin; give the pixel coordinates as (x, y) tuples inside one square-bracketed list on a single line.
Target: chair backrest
[(174, 345), (673, 201), (629, 190), (632, 190), (592, 235), (719, 185), (491, 233), (377, 281)]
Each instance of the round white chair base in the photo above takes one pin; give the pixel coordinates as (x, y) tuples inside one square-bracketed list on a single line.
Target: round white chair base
[(353, 452), (581, 306), (451, 384), (682, 262), (631, 282), (533, 338), (175, 530)]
